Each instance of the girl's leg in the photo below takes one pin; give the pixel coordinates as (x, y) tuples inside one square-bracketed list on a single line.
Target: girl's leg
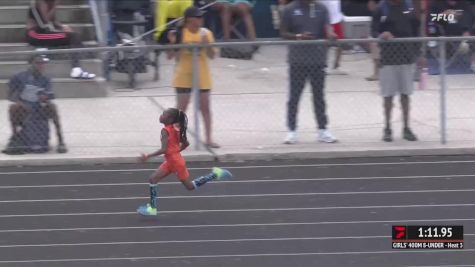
[(188, 184), (215, 174), (184, 176), (183, 97), (154, 179), (151, 207), (206, 113)]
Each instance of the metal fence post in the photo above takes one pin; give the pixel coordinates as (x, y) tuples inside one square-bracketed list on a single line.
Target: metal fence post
[(196, 94), (443, 91)]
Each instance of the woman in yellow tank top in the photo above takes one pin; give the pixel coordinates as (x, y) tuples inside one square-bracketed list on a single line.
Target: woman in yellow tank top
[(193, 32)]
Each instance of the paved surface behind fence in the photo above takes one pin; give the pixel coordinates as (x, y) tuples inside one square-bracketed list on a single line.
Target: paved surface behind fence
[(249, 109)]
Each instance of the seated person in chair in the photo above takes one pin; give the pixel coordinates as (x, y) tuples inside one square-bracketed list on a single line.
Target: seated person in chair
[(31, 94), (458, 22), (242, 8), (44, 30)]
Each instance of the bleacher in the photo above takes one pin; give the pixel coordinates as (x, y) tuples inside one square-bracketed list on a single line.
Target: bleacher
[(75, 13)]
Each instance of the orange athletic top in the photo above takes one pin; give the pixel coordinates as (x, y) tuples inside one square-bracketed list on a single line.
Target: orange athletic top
[(173, 149)]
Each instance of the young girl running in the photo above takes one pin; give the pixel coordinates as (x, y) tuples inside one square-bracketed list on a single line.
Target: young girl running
[(174, 141)]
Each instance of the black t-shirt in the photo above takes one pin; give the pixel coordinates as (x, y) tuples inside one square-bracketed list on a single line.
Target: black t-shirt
[(463, 19), (298, 18), (401, 21), (356, 8)]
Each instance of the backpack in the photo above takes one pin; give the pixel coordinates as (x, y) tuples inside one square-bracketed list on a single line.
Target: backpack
[(238, 52)]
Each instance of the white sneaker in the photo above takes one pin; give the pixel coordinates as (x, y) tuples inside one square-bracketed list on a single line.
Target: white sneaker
[(325, 136), (291, 138), (78, 73)]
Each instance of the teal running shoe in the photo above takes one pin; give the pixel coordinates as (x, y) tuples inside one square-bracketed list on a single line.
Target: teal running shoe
[(147, 210), (222, 174)]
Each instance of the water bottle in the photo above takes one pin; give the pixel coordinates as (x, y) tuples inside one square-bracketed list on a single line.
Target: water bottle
[(423, 79)]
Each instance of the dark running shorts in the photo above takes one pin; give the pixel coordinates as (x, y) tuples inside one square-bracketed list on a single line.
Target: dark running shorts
[(188, 90)]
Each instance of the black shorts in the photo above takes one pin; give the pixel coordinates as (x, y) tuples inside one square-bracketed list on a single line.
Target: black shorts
[(180, 90)]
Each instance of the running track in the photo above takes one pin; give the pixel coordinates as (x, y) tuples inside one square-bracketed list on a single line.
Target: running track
[(279, 213)]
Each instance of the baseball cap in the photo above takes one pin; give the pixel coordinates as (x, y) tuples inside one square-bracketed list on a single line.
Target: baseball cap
[(39, 59), (193, 12)]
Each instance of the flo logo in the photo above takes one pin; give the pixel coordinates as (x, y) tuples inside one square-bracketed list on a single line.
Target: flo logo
[(447, 17)]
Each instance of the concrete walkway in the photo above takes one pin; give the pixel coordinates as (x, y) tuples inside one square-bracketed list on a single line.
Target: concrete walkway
[(249, 110)]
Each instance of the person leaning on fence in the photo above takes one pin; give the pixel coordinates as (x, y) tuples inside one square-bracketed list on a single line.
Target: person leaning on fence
[(193, 33), (394, 19), (45, 31), (461, 25), (167, 11), (31, 94), (307, 20)]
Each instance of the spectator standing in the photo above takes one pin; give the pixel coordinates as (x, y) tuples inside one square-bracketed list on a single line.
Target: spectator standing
[(462, 25), (193, 32), (374, 47), (306, 20), (396, 19), (31, 94), (336, 20), (44, 30), (242, 8)]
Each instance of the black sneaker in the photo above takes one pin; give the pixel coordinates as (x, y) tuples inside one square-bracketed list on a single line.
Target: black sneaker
[(388, 135), (62, 148), (409, 135)]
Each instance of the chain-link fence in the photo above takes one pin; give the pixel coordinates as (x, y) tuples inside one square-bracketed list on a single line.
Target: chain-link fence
[(254, 95)]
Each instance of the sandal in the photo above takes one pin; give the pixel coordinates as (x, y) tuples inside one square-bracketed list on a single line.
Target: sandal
[(212, 145)]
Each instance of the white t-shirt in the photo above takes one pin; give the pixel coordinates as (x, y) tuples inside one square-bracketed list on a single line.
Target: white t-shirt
[(334, 10)]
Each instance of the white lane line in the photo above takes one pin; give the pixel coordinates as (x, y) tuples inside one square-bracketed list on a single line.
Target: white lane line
[(456, 265), (242, 195), (244, 255), (78, 185), (232, 225), (195, 241), (85, 171), (238, 210), (450, 176), (258, 167), (200, 241)]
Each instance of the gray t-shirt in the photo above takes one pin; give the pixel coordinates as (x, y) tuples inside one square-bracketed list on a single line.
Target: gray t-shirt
[(26, 87), (300, 17)]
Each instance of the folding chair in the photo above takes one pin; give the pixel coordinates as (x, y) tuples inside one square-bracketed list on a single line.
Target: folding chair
[(131, 18)]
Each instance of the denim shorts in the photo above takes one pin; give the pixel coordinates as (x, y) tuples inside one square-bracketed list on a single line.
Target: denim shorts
[(235, 2)]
